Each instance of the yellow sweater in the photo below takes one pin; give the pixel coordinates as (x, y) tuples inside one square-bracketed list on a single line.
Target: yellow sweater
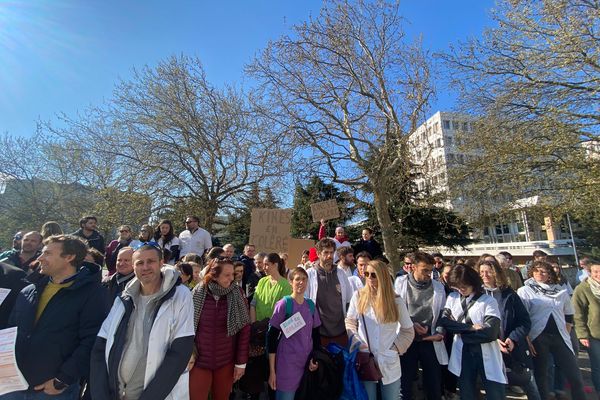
[(49, 291)]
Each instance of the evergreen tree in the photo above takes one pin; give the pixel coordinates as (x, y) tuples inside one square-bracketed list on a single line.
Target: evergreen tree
[(237, 231), (315, 191)]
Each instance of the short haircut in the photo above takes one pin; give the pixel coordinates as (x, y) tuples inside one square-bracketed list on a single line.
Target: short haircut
[(462, 275), (246, 247), (586, 261), (193, 218), (506, 254), (411, 256), (344, 251), (126, 248), (540, 253), (297, 271), (364, 254), (185, 268), (214, 253), (260, 256), (86, 218), (422, 257), (238, 264), (228, 245), (437, 254), (149, 246), (325, 243), (71, 245), (96, 255), (543, 265), (368, 230)]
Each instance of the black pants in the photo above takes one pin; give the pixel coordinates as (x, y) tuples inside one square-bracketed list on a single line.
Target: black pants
[(424, 353), (565, 360)]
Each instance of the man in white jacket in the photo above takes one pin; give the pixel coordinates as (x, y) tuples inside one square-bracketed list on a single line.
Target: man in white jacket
[(145, 343)]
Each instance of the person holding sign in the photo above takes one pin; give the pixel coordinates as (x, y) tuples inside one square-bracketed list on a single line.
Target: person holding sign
[(293, 334), (378, 322)]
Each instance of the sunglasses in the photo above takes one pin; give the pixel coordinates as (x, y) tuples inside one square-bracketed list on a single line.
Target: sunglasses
[(189, 222), (137, 246), (124, 230), (408, 263), (370, 275)]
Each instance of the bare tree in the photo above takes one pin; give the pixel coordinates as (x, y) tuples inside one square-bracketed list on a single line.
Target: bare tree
[(533, 80), (349, 87), (182, 137)]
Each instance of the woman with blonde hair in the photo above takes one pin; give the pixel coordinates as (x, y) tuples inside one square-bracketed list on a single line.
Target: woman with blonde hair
[(379, 323)]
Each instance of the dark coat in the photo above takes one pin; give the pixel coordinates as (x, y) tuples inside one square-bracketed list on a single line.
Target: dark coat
[(11, 278), (249, 269), (114, 289), (215, 349), (370, 246), (95, 240), (515, 325), (58, 345), (13, 257)]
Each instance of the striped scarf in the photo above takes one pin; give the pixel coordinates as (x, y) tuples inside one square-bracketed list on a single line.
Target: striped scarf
[(237, 310)]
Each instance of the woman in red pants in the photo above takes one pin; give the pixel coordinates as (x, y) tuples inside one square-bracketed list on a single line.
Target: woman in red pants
[(222, 324)]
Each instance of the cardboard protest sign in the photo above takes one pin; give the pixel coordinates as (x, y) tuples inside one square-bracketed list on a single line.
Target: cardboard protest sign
[(295, 249), (325, 210), (270, 229)]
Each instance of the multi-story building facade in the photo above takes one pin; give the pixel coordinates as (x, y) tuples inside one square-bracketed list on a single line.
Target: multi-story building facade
[(434, 149)]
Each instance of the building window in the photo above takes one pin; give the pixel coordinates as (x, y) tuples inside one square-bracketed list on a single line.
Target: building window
[(438, 142), (446, 124), (455, 125)]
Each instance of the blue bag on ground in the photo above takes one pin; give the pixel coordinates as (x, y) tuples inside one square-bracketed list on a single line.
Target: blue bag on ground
[(353, 387)]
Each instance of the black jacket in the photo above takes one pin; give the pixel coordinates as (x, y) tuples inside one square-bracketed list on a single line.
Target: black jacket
[(11, 278), (14, 258), (115, 288), (95, 240), (371, 246), (59, 344), (249, 268), (516, 325)]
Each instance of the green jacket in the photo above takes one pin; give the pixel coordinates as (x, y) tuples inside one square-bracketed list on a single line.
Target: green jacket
[(587, 312)]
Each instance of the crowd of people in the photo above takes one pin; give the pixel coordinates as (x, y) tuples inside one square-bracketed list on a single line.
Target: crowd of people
[(166, 316)]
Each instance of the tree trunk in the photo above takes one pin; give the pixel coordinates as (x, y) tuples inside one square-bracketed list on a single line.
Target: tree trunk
[(390, 243)]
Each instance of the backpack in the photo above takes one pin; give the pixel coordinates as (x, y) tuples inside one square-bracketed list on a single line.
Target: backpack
[(289, 306)]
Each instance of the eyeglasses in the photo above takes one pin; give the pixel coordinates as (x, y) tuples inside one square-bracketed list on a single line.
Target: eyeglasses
[(370, 275), (138, 246), (190, 221), (125, 230)]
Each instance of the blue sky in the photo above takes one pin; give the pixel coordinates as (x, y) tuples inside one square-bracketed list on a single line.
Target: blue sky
[(64, 55)]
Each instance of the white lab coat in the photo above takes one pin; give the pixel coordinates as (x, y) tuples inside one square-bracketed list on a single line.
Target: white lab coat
[(437, 306), (492, 357)]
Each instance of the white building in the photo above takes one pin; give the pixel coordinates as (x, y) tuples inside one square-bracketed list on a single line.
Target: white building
[(434, 151)]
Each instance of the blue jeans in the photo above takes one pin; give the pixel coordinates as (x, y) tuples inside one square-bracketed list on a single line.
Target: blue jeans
[(471, 366), (70, 393), (594, 353), (391, 391), (531, 389), (280, 395)]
